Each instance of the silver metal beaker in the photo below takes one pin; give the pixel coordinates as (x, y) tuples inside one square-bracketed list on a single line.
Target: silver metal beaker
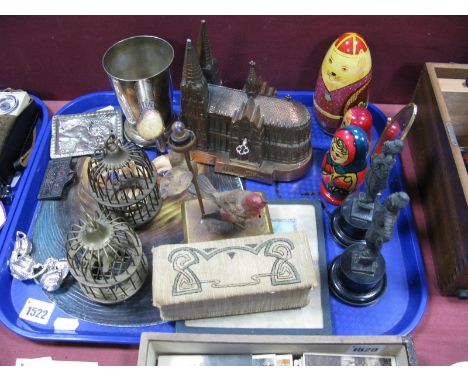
[(139, 70)]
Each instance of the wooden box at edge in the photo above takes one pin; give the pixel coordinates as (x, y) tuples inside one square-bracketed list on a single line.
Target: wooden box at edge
[(440, 129), (154, 344)]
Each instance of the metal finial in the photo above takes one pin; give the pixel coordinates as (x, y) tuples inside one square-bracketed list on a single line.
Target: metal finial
[(181, 141)]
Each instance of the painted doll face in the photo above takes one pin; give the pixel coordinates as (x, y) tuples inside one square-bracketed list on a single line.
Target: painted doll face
[(347, 61), (338, 151), (341, 69)]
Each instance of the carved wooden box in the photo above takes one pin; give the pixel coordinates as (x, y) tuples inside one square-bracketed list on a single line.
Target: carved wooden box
[(234, 276)]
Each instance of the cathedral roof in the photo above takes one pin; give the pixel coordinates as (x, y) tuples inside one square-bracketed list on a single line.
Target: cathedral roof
[(275, 111)]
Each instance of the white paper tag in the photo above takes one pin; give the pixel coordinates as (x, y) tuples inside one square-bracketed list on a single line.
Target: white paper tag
[(37, 311), (365, 349), (69, 324)]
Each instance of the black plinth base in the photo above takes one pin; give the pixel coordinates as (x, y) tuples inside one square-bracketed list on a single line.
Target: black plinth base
[(344, 233), (350, 222), (352, 293)]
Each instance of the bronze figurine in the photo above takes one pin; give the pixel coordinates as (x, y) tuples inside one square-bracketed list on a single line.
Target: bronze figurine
[(352, 219), (358, 275)]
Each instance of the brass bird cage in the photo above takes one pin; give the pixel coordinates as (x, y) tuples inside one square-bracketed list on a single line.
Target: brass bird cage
[(122, 180), (105, 256)]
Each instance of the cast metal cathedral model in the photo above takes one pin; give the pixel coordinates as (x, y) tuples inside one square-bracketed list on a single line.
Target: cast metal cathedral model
[(250, 132)]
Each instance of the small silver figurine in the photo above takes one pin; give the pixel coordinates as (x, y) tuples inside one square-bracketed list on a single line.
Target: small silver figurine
[(22, 265), (53, 274), (48, 275)]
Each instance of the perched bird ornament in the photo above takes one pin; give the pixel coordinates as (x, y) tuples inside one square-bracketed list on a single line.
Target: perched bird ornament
[(235, 206), (175, 181)]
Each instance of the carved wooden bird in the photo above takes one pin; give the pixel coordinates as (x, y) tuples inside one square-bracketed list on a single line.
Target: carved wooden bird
[(235, 206)]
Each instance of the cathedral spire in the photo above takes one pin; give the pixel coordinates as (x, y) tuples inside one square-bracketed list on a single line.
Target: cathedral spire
[(251, 85), (255, 85), (191, 72), (208, 63)]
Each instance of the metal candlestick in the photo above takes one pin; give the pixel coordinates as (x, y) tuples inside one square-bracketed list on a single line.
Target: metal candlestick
[(182, 140)]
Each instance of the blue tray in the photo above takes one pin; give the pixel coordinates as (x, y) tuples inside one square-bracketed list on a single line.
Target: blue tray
[(398, 312)]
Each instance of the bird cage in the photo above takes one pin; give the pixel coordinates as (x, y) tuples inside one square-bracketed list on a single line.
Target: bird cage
[(105, 256), (123, 181)]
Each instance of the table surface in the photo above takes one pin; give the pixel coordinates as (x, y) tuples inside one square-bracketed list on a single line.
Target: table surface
[(441, 338)]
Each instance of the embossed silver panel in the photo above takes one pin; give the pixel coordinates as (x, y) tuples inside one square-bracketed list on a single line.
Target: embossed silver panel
[(80, 134)]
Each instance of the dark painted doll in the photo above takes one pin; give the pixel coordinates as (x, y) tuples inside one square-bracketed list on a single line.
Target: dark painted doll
[(344, 165)]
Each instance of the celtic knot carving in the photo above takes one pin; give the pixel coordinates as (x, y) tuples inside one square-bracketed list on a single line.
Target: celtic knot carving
[(187, 282)]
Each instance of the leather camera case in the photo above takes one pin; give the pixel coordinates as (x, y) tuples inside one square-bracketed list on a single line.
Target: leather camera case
[(16, 137)]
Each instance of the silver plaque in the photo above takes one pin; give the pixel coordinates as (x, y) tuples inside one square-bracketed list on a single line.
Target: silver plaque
[(80, 134)]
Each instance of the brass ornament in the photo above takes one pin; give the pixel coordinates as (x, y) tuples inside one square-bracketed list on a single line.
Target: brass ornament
[(123, 182), (105, 256)]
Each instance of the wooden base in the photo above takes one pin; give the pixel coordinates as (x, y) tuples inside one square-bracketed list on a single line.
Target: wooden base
[(268, 172), (197, 229)]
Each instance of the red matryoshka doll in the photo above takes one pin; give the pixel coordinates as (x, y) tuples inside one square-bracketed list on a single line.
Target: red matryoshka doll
[(344, 165), (360, 117), (343, 81)]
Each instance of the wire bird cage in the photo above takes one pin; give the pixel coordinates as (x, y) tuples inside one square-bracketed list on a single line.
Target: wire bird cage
[(106, 258), (123, 182)]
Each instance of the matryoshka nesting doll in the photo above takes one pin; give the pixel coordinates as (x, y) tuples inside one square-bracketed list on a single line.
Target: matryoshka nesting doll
[(360, 117), (343, 81), (344, 165)]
